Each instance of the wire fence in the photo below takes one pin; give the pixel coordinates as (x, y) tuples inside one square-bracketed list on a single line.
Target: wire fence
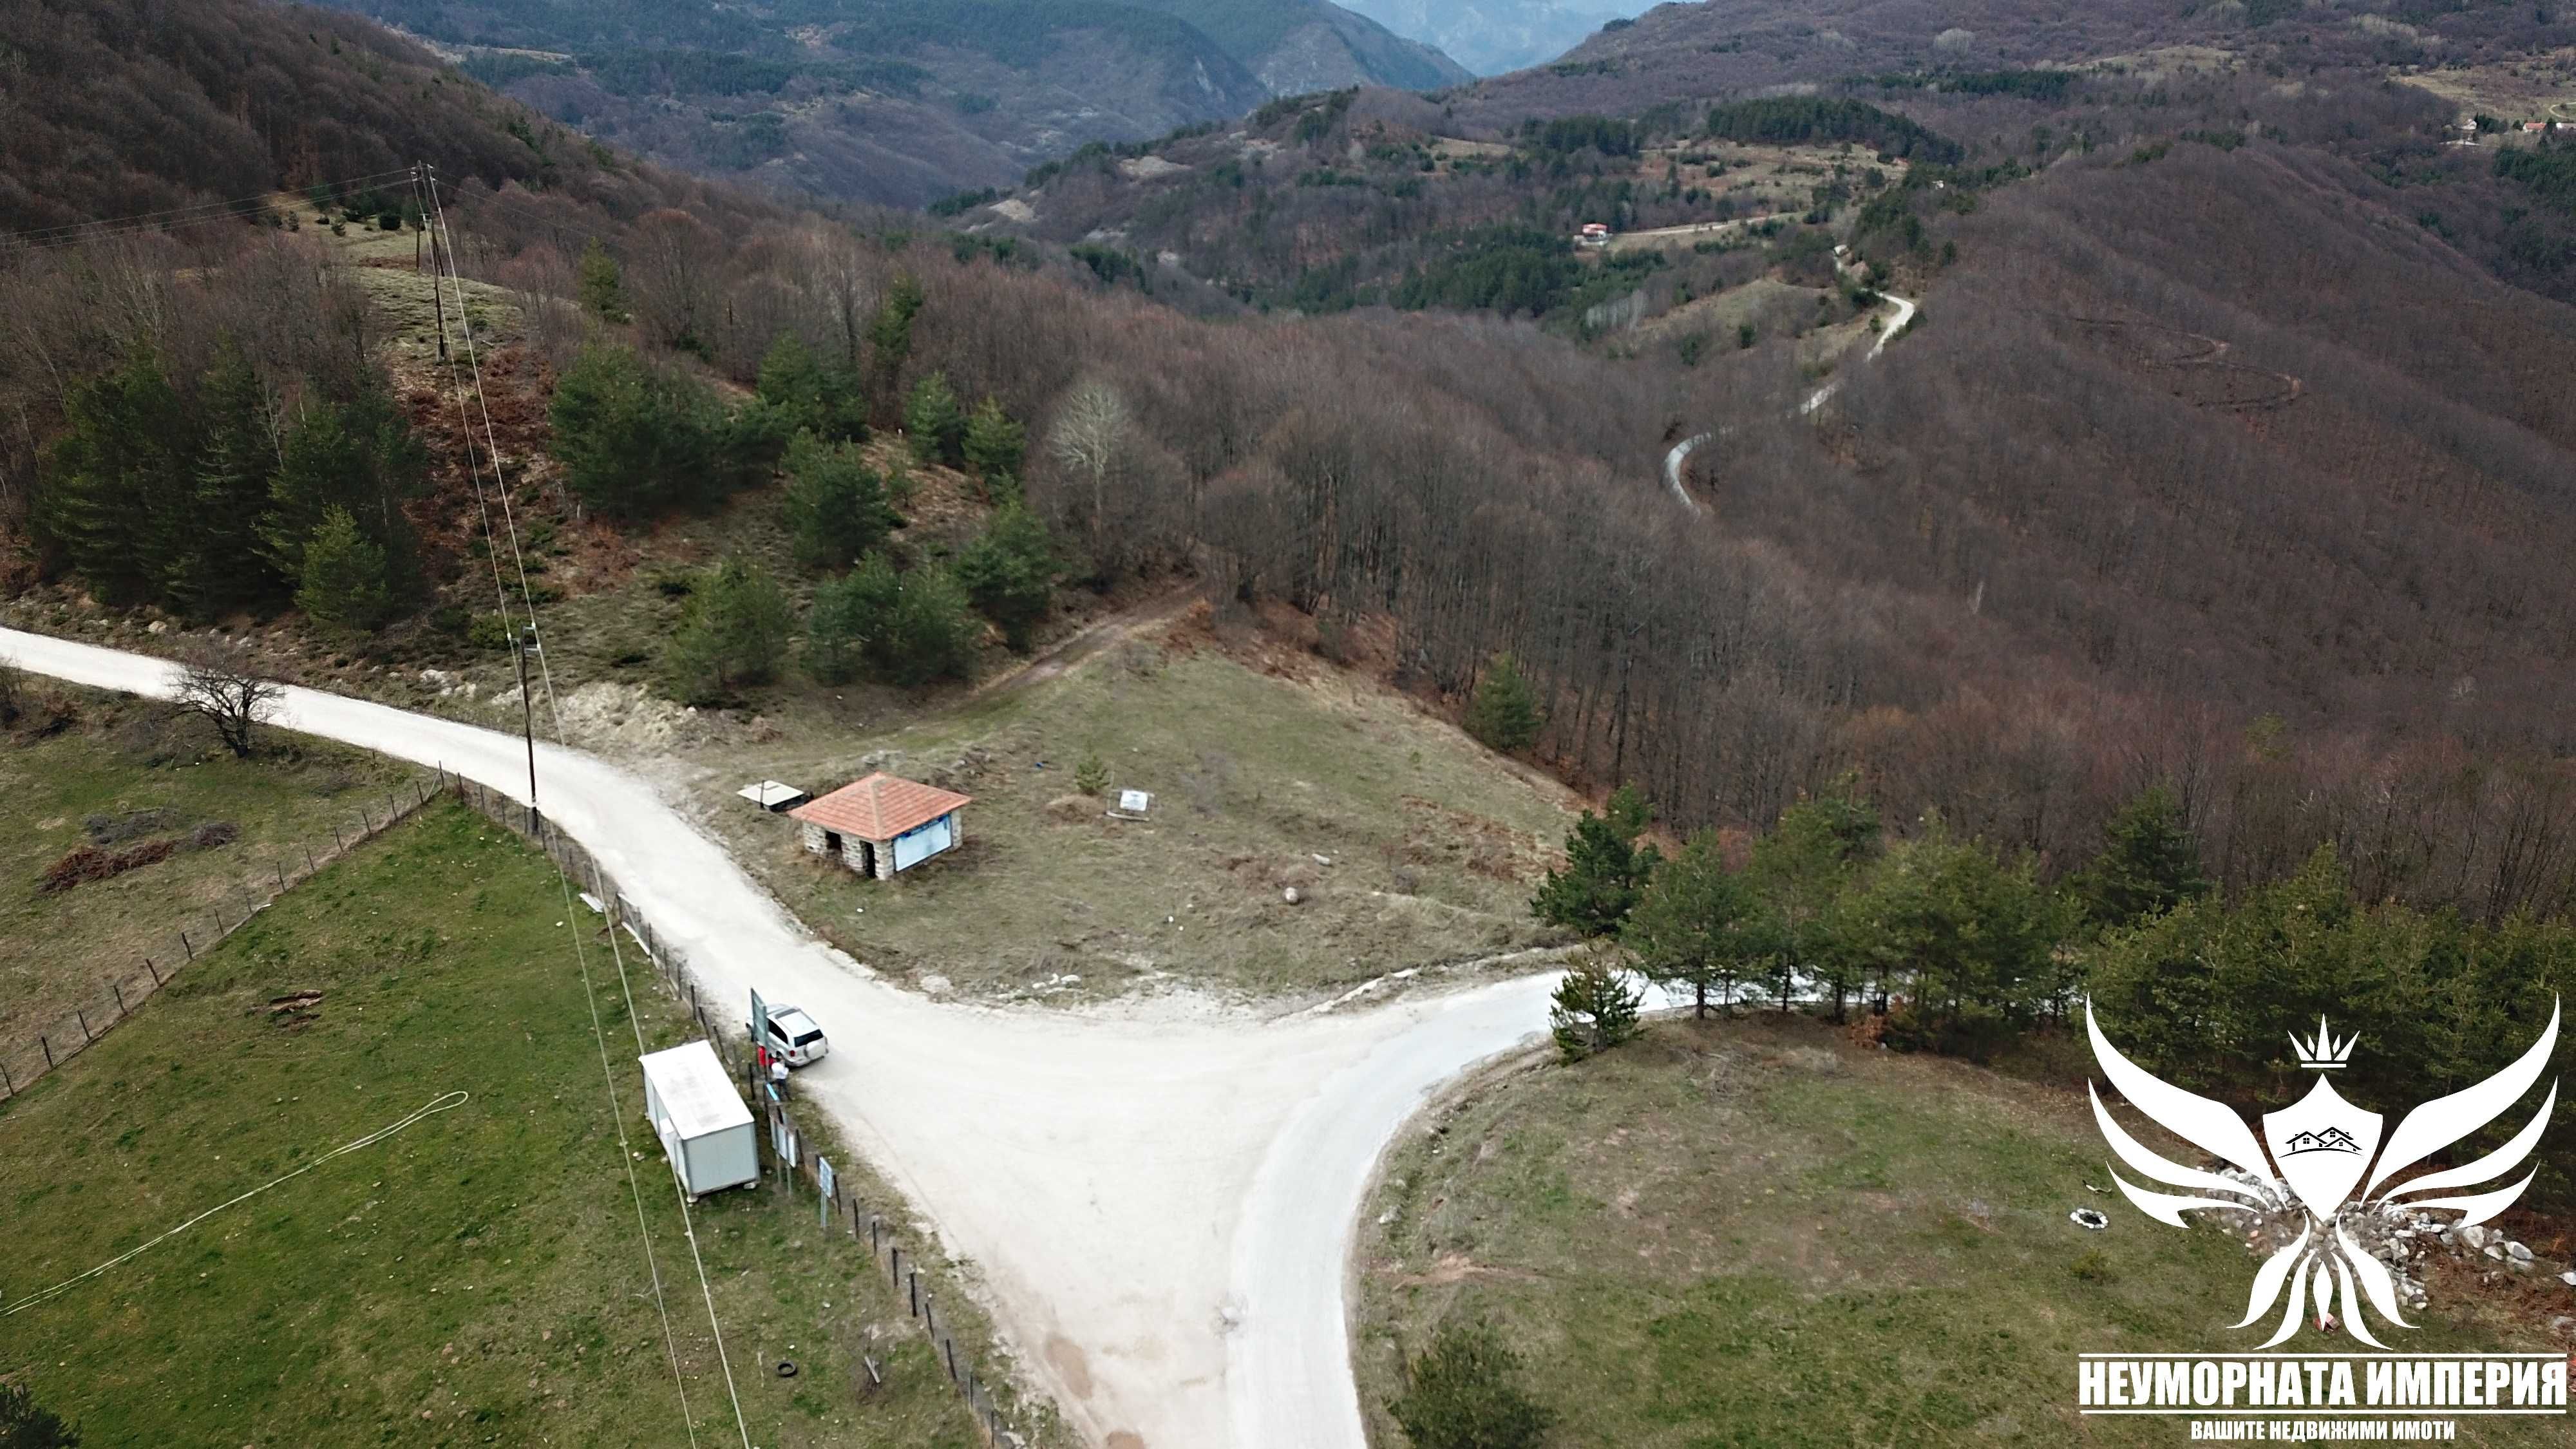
[(25, 1060), (841, 1211)]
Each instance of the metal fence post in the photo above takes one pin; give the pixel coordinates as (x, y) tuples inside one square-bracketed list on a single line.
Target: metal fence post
[(8, 1081), (335, 837), (121, 1008), (309, 866), (184, 941), (48, 1047), (155, 970), (84, 1025), (281, 878)]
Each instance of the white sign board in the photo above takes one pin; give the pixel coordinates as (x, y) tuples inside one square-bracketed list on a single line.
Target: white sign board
[(823, 1179), (1135, 802), (922, 842)]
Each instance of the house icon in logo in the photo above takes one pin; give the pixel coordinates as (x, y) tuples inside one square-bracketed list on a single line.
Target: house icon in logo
[(2332, 1139)]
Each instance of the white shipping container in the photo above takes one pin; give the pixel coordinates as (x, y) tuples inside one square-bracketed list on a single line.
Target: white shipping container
[(705, 1129)]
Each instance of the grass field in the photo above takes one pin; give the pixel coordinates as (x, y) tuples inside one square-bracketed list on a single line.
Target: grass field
[(1405, 842), (1756, 1233), (138, 774), (475, 1279)]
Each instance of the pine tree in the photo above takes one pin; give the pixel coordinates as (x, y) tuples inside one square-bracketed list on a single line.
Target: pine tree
[(125, 460), (1091, 776), (1464, 1393), (361, 456), (347, 583), (934, 423), (603, 284), (932, 633), (792, 382), (1801, 872), (1504, 711), (904, 628), (840, 624), (1009, 572), (890, 331), (2150, 863), (835, 506), (215, 550), (1594, 1009), (636, 439), (1698, 924), (995, 446), (1604, 869), (735, 633)]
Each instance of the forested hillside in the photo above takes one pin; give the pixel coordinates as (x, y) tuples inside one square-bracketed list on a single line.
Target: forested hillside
[(900, 103), (2213, 461)]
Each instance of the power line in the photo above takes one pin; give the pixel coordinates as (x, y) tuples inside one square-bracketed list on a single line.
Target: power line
[(75, 232), (492, 445), (581, 957)]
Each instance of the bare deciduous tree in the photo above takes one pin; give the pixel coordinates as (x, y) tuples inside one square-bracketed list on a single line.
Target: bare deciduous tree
[(225, 686), (1089, 441)]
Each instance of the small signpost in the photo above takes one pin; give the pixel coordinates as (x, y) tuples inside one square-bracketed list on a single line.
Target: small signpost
[(823, 1179), (1135, 802)]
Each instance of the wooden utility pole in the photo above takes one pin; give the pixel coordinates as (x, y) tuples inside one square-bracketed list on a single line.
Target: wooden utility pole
[(437, 272)]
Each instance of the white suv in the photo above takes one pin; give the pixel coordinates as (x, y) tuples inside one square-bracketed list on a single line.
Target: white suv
[(794, 1036)]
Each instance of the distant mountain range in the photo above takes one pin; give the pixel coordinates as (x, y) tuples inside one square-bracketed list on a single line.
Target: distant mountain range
[(903, 101), (1493, 36)]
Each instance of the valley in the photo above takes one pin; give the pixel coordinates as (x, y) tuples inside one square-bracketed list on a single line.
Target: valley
[(1454, 747), (900, 104)]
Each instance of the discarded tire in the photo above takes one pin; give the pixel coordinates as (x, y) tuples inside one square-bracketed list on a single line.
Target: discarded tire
[(787, 1368), (2088, 1219)]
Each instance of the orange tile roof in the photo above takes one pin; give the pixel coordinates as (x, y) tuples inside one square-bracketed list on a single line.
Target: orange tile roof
[(880, 807)]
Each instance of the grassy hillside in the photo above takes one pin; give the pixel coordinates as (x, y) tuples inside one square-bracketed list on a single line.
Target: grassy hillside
[(116, 774), (1405, 844), (1754, 1232), (476, 1277)]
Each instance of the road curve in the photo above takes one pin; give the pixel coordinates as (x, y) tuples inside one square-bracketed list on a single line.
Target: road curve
[(1673, 462), (1680, 452), (1160, 1212)]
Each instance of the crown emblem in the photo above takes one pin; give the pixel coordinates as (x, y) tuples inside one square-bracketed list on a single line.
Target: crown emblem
[(2322, 1053)]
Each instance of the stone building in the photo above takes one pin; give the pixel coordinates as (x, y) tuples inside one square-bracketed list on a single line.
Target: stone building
[(883, 824)]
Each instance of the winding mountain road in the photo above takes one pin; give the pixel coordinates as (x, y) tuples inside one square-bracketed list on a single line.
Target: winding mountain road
[(1161, 1212), (1680, 452)]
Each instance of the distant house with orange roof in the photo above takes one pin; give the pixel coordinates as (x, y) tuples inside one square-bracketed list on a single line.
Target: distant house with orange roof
[(884, 823)]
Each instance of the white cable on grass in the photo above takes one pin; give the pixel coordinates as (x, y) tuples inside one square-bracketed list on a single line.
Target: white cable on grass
[(437, 1104), (545, 670)]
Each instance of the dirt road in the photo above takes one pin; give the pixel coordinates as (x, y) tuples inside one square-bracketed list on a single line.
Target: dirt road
[(1680, 452), (1691, 232), (1160, 1210)]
